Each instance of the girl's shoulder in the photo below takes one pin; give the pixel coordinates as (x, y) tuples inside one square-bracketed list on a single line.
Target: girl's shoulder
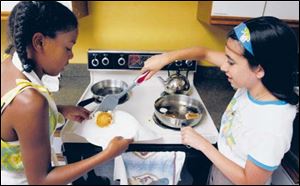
[(31, 99), (28, 103), (23, 109)]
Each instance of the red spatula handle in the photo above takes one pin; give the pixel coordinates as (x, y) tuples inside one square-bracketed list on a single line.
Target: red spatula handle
[(142, 77)]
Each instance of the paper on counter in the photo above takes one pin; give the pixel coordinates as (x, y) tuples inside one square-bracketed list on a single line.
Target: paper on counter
[(123, 124)]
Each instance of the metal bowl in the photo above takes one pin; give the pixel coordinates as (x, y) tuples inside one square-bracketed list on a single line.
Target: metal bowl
[(171, 110)]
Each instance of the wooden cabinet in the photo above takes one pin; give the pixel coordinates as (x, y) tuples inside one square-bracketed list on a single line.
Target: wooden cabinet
[(234, 12), (80, 8)]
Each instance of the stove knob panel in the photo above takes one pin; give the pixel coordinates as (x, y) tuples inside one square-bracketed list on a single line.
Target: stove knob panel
[(95, 62), (105, 61), (189, 63), (178, 63), (121, 61)]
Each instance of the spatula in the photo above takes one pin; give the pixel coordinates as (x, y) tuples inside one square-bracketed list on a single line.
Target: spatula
[(109, 102)]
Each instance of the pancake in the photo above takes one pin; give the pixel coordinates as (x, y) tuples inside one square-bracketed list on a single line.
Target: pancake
[(103, 119)]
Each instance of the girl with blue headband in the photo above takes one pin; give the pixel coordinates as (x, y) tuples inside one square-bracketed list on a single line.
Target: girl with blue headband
[(256, 128)]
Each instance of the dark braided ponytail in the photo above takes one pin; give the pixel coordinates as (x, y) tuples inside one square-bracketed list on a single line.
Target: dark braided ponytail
[(25, 14), (28, 18)]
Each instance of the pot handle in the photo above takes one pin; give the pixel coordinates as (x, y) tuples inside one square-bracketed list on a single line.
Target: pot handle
[(183, 124), (86, 102)]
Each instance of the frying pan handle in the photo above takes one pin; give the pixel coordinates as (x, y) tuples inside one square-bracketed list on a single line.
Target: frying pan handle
[(86, 102)]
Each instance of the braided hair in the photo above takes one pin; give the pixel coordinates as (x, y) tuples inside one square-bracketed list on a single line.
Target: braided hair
[(30, 17)]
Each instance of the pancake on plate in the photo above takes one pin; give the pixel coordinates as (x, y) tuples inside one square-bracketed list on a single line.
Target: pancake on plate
[(103, 119)]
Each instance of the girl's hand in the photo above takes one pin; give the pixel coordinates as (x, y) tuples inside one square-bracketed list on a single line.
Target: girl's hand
[(190, 137), (154, 64), (117, 146), (74, 113)]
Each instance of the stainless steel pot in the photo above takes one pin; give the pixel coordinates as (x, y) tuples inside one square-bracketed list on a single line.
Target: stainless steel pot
[(172, 111), (105, 87)]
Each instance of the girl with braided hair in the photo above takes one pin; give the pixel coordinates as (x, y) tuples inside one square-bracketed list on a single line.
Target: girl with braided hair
[(41, 36)]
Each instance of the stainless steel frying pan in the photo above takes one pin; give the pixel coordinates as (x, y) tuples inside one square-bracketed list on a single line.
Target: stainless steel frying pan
[(172, 111), (106, 87)]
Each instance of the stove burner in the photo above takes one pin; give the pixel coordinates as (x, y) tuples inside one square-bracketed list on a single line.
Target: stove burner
[(159, 123)]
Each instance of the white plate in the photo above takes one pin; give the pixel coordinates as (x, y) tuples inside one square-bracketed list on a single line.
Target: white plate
[(123, 124)]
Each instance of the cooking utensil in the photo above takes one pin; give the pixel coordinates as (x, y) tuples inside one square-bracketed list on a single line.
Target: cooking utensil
[(109, 102), (171, 110), (103, 88)]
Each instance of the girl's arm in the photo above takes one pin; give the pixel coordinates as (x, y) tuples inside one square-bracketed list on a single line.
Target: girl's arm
[(157, 62), (197, 53), (252, 174), (32, 128)]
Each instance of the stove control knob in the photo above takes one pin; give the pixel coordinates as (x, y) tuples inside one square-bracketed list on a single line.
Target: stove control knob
[(105, 61), (121, 61), (178, 63), (189, 63), (95, 62)]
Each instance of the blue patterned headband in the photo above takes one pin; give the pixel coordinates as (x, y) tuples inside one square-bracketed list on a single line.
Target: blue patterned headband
[(243, 34)]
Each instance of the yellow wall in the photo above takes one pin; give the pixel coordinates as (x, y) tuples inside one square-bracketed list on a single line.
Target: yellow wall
[(3, 38), (142, 25)]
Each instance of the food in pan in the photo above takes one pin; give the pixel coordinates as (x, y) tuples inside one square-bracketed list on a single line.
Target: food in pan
[(103, 119), (170, 115), (192, 115)]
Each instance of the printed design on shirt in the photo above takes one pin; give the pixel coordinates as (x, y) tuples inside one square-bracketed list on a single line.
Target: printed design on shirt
[(52, 121), (150, 168), (144, 155), (147, 179), (228, 125), (11, 158)]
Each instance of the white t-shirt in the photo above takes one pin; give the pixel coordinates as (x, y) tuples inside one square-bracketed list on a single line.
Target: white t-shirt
[(259, 131)]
